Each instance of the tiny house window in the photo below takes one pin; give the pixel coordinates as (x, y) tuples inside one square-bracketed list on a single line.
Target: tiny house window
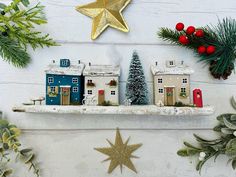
[(185, 81), (159, 81), (90, 81), (75, 89), (50, 80), (90, 92), (74, 80), (183, 90), (113, 92), (160, 90), (53, 89), (171, 63)]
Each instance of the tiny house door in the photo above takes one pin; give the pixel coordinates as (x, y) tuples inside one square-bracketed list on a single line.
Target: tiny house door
[(169, 96), (65, 95), (101, 97)]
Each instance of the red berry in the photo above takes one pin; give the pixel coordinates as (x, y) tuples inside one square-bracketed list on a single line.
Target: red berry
[(201, 49), (179, 26), (190, 30), (211, 49), (199, 33), (183, 40)]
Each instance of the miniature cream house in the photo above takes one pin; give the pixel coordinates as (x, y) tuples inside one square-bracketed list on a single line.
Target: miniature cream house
[(101, 84), (171, 83)]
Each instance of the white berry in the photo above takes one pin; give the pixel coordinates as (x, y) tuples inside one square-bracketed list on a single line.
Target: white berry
[(234, 133), (201, 158), (202, 154)]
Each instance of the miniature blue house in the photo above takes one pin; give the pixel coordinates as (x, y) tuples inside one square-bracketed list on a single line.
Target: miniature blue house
[(64, 83)]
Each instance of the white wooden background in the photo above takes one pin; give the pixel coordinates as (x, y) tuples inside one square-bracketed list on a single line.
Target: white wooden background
[(64, 143)]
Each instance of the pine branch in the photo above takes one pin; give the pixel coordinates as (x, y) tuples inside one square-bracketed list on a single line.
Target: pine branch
[(222, 36), (13, 53), (17, 24), (34, 39)]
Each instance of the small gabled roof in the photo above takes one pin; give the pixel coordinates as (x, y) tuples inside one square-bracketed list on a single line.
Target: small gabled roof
[(101, 70), (73, 69), (180, 69)]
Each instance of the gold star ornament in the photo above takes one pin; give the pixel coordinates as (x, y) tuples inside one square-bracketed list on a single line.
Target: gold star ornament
[(105, 13), (120, 153)]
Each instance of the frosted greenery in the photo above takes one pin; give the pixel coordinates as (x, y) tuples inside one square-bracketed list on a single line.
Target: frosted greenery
[(136, 87)]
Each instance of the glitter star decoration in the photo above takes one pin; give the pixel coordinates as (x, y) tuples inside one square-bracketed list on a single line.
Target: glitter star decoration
[(105, 13), (120, 153)]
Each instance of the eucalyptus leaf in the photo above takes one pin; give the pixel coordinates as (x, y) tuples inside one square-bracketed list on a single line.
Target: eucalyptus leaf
[(233, 117), (218, 128), (229, 124), (230, 149), (191, 146), (227, 131), (30, 158), (183, 152), (234, 164), (233, 102), (24, 151)]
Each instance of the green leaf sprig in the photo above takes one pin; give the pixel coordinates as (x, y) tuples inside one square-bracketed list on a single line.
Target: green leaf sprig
[(224, 145)]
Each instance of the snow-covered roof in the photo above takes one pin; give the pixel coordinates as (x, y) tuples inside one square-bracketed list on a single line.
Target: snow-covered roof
[(174, 70), (73, 69), (101, 70)]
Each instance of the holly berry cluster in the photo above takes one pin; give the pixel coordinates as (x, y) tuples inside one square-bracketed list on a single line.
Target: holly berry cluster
[(192, 33)]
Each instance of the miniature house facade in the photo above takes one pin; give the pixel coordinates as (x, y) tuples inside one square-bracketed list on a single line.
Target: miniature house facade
[(101, 84), (171, 83), (64, 83)]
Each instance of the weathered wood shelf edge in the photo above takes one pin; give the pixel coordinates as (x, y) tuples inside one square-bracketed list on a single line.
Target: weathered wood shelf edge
[(118, 110)]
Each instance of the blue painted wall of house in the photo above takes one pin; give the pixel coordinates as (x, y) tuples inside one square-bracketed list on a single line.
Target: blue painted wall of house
[(62, 80)]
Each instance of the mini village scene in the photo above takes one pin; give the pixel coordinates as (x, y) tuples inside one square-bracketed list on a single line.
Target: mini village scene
[(69, 83), (92, 86)]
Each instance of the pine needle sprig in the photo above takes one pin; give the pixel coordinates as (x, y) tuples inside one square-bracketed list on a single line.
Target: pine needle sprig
[(17, 23), (13, 53)]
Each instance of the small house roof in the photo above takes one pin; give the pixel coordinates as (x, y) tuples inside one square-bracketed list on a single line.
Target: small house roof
[(180, 69), (73, 69), (101, 70)]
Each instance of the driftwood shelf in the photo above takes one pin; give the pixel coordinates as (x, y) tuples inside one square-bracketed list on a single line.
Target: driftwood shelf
[(118, 110)]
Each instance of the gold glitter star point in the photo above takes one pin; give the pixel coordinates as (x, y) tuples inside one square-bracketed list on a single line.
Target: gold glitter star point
[(120, 153), (105, 13)]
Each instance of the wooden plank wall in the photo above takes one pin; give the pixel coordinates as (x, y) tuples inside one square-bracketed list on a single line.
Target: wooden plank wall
[(64, 143)]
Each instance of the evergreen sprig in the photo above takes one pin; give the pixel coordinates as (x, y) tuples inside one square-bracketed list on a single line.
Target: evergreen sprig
[(222, 36), (224, 145), (12, 52), (17, 23), (10, 145)]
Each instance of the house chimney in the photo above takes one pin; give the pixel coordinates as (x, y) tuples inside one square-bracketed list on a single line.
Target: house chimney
[(53, 61), (89, 64), (182, 62), (78, 61), (156, 63)]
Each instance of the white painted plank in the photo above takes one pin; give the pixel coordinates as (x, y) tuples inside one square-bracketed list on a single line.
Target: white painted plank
[(71, 153), (117, 110), (211, 93)]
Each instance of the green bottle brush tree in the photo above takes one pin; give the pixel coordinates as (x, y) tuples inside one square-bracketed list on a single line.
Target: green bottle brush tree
[(10, 147), (214, 45), (17, 31), (224, 145)]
